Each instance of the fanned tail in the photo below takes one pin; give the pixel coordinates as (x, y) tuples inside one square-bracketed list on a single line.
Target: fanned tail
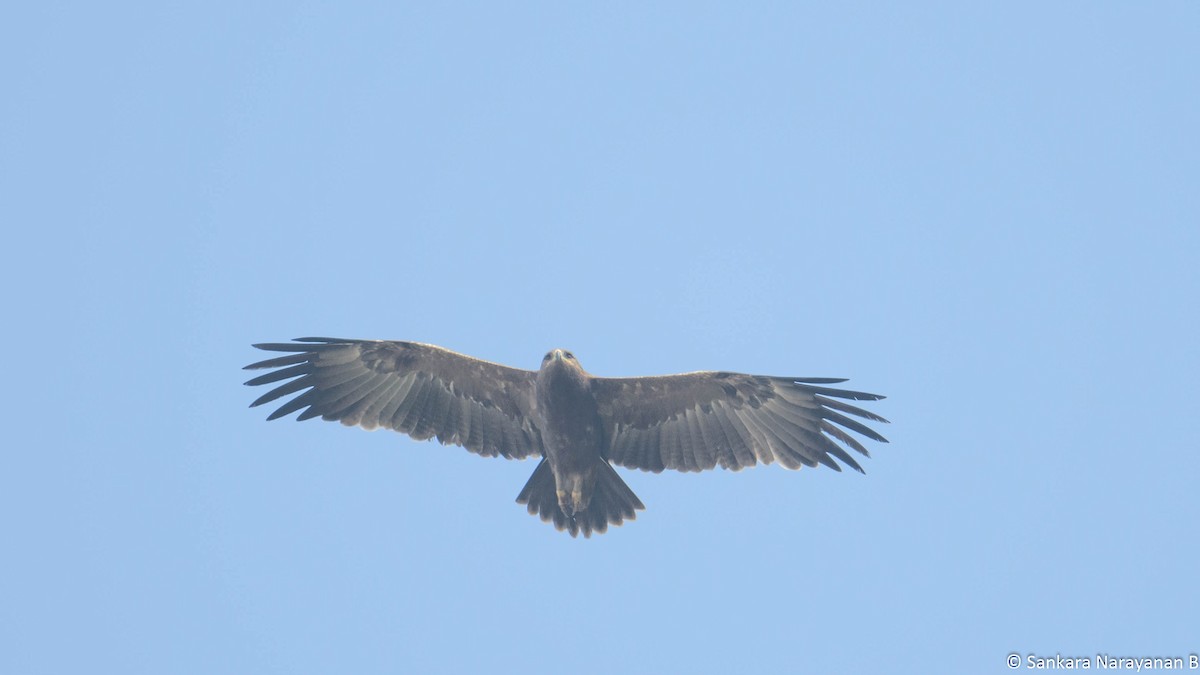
[(612, 501)]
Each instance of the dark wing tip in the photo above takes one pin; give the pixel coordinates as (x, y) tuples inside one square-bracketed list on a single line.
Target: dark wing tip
[(301, 344), (278, 362), (306, 345), (281, 346), (806, 385), (816, 380), (852, 395), (326, 340)]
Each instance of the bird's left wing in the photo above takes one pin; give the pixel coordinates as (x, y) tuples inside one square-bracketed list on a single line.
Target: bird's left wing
[(417, 389), (695, 421)]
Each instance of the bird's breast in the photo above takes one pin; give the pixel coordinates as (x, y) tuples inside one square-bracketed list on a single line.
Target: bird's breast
[(569, 420)]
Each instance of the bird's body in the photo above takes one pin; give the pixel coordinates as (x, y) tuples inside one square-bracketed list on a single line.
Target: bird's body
[(578, 424), (570, 428)]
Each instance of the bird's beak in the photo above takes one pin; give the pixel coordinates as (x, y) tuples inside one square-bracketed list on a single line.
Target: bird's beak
[(558, 355)]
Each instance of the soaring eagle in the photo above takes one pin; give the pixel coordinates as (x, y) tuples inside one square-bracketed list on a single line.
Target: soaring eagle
[(579, 425)]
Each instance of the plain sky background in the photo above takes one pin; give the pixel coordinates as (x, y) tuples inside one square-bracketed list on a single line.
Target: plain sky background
[(988, 212)]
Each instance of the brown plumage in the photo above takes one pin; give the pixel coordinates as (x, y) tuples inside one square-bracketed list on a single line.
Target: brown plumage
[(578, 424)]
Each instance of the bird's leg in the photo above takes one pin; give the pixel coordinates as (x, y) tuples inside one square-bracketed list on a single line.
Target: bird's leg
[(565, 503), (574, 493)]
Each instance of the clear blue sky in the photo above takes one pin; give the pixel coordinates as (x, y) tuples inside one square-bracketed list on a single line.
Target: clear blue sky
[(987, 212)]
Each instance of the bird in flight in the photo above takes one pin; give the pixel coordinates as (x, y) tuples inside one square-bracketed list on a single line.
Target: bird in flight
[(578, 424)]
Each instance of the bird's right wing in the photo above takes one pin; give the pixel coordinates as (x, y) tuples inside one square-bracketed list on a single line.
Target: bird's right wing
[(417, 389)]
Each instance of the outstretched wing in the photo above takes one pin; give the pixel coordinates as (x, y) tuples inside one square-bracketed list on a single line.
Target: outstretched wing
[(695, 421), (418, 389)]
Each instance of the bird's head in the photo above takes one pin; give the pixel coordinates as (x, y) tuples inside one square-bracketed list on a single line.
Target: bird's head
[(559, 358), (558, 355)]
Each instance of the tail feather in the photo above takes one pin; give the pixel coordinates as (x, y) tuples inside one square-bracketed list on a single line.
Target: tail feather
[(612, 501)]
